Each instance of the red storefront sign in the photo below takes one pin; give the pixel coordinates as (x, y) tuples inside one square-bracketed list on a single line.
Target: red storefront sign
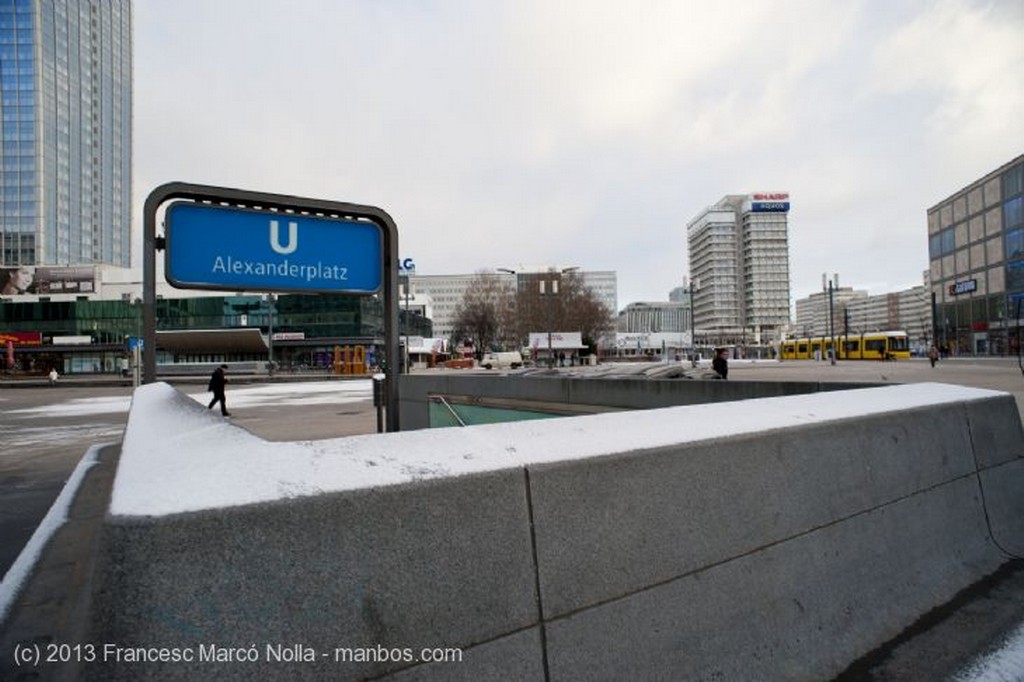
[(22, 338)]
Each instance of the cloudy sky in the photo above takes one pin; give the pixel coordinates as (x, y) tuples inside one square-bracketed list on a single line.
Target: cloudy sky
[(589, 132)]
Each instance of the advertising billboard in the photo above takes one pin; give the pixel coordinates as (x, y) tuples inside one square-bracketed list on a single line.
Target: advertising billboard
[(22, 338), (47, 280)]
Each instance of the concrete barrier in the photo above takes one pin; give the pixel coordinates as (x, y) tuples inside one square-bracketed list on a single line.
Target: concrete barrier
[(776, 539), (587, 393)]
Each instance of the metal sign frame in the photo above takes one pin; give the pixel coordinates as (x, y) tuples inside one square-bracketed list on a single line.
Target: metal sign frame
[(243, 199)]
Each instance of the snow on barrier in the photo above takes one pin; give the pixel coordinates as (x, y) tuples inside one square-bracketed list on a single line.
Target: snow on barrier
[(777, 538)]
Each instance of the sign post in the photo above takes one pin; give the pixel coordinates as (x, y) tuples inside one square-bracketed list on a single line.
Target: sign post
[(234, 240)]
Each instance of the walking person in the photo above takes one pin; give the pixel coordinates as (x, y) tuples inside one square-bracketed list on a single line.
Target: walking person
[(721, 363), (53, 376), (933, 355), (217, 383)]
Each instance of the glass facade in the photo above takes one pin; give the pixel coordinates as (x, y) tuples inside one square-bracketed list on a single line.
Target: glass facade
[(65, 122), (976, 252), (322, 322)]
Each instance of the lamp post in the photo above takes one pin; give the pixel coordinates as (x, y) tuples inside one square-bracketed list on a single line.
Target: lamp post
[(403, 283), (830, 326), (693, 320), (270, 333)]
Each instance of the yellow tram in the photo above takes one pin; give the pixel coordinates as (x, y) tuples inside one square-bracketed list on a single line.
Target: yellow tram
[(874, 346)]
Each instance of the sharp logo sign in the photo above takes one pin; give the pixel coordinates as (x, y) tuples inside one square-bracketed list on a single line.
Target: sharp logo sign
[(769, 202)]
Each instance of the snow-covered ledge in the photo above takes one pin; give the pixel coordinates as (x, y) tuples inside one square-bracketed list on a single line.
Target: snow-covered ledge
[(179, 457), (688, 542)]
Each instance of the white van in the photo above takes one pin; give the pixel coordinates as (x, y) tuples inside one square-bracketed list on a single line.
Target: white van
[(510, 359)]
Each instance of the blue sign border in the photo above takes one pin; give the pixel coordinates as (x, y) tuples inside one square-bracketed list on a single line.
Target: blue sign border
[(236, 248)]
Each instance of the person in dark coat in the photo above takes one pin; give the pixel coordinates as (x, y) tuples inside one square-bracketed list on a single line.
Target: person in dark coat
[(721, 364), (217, 383)]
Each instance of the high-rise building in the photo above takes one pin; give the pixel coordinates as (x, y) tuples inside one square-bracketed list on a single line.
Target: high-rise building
[(739, 267), (65, 123)]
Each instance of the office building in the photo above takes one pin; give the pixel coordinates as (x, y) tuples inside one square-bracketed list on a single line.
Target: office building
[(65, 123), (976, 263), (739, 266), (812, 317), (906, 310), (655, 316), (84, 320), (854, 312)]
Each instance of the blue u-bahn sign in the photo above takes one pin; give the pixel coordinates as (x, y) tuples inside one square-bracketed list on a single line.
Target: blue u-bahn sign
[(227, 248)]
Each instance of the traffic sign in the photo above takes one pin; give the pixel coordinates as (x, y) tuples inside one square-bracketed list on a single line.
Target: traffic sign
[(221, 247)]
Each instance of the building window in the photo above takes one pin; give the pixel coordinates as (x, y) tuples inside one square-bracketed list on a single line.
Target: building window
[(1015, 244), (1013, 181), (1013, 213), (947, 241), (1015, 276)]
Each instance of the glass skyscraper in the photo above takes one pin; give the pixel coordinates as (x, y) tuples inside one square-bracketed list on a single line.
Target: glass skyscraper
[(66, 104)]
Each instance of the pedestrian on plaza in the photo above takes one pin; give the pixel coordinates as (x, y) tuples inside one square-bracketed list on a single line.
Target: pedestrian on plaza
[(217, 383), (53, 376), (721, 363), (933, 355)]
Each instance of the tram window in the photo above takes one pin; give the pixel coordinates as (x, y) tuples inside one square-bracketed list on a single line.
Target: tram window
[(802, 348), (899, 343), (852, 346), (875, 345)]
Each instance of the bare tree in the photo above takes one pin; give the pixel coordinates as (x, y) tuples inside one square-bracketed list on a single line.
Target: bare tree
[(494, 314), (484, 312), (583, 311), (566, 307)]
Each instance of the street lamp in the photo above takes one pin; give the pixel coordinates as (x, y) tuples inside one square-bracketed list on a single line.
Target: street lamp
[(693, 319), (403, 282), (270, 333), (831, 326)]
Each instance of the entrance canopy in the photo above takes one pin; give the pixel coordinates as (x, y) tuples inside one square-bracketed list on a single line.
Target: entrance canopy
[(194, 341)]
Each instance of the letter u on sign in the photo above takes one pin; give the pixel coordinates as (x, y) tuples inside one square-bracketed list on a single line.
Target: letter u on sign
[(275, 238)]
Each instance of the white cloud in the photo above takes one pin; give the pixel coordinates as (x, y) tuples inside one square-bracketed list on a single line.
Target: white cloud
[(969, 57), (589, 132)]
